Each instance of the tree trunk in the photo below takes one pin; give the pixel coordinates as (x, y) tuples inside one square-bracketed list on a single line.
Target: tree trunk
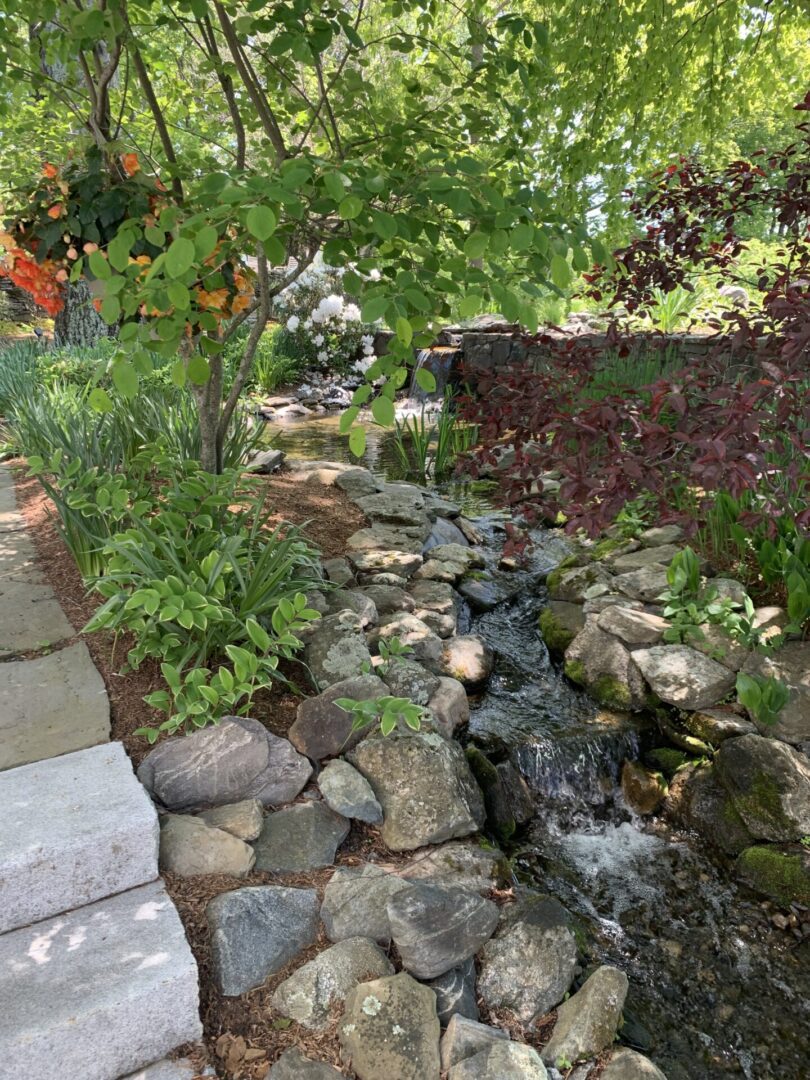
[(209, 409), (78, 323)]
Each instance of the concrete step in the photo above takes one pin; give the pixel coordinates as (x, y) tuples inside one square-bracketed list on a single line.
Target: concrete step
[(75, 829), (98, 993)]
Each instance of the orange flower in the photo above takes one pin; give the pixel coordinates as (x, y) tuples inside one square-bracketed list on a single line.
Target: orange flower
[(131, 164), (49, 170), (56, 210), (240, 303)]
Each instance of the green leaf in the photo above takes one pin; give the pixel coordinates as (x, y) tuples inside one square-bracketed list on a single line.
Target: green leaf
[(560, 271), (118, 250), (110, 310), (99, 267), (179, 295), (125, 378), (382, 409), (258, 635), (350, 207), (404, 331), (475, 245), (357, 441), (426, 380), (205, 242), (522, 236), (348, 418), (198, 370), (99, 400), (261, 222), (180, 257), (374, 308)]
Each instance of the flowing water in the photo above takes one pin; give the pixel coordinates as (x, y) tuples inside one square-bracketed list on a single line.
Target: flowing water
[(715, 991)]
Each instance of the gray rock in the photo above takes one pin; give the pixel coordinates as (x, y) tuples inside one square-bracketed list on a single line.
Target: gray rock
[(601, 603), (727, 588), (469, 557), (266, 461), (587, 1022), (390, 1029), (356, 898), (440, 570), (189, 847), (322, 729), (449, 706), (481, 594), (684, 677), (233, 760), (411, 632), (242, 819), (467, 658), (790, 664), (386, 578), (455, 993), (348, 793), (661, 535), (318, 602), (697, 800), (572, 584), (310, 995), (353, 600), (301, 837), (443, 626), (178, 1069), (437, 507), (424, 786), (631, 626), (769, 785), (406, 678), (528, 965), (459, 864), (292, 1065), (436, 929), (356, 482), (338, 571), (402, 563), (388, 599), (502, 1061), (464, 1038), (403, 508), (335, 649), (433, 596), (378, 537), (444, 532), (647, 584), (605, 667), (661, 554), (626, 1064), (714, 726), (258, 930), (714, 642)]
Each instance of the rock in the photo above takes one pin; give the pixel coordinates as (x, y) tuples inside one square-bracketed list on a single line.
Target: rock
[(587, 1022), (643, 791), (529, 964), (318, 602), (356, 899), (242, 819), (338, 571), (312, 992), (377, 537), (424, 786), (335, 649), (266, 461), (696, 800), (661, 536), (386, 579), (502, 1061), (402, 563), (601, 603), (647, 584), (783, 874), (406, 678), (258, 930), (410, 631), (444, 532), (189, 847), (443, 626), (626, 1064), (292, 1065), (302, 837), (455, 993), (388, 599), (631, 626), (769, 785), (433, 596), (726, 589), (348, 793), (406, 507), (449, 706), (222, 764), (355, 600), (459, 864), (356, 482), (517, 791), (469, 557), (599, 662), (684, 677), (713, 641), (714, 726), (322, 729), (436, 929), (791, 665), (572, 583), (467, 658), (472, 535), (390, 1030), (438, 507), (560, 623), (464, 1038), (659, 555), (769, 622), (500, 818), (480, 593)]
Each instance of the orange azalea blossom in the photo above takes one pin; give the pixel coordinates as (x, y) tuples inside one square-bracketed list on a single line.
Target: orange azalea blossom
[(214, 301), (131, 164), (38, 279), (56, 210), (49, 170), (240, 302)]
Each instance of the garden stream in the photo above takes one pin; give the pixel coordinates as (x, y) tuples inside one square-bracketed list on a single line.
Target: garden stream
[(715, 990)]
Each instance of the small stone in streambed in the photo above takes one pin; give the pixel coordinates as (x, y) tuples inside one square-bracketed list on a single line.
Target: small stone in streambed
[(587, 1022), (243, 819), (467, 658), (348, 793), (643, 791), (302, 837)]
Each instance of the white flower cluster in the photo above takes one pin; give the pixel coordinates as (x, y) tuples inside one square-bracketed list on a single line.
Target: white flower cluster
[(367, 359)]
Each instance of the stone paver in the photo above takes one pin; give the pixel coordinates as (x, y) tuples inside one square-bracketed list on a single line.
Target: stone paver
[(76, 828), (51, 705), (32, 618), (97, 993)]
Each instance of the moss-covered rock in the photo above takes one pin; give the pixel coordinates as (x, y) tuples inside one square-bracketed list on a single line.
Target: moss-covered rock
[(697, 801), (769, 785), (783, 874), (560, 623), (667, 760), (601, 663), (573, 583), (643, 789), (500, 818)]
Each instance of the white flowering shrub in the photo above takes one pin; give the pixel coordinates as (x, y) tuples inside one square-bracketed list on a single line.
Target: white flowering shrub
[(321, 326)]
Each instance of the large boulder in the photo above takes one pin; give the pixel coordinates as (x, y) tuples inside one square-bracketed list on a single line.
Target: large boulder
[(189, 847), (336, 649), (301, 837), (464, 1038), (424, 786), (697, 800), (390, 1030), (258, 930), (605, 667), (587, 1022), (528, 966), (631, 626), (661, 554), (646, 584), (379, 537), (661, 535), (626, 1064), (436, 929), (433, 596), (769, 785), (455, 993), (356, 898), (292, 1065), (444, 532), (235, 759), (356, 482), (560, 623), (348, 793), (388, 599), (501, 1061), (403, 507), (460, 864), (782, 874), (684, 677), (468, 659), (311, 993), (369, 563), (355, 600), (322, 729), (791, 665)]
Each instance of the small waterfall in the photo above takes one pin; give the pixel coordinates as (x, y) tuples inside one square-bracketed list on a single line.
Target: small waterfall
[(440, 361), (581, 767)]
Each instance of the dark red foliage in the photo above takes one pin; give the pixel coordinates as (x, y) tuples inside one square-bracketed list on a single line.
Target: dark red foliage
[(738, 420)]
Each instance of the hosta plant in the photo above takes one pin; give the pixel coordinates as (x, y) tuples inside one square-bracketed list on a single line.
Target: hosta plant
[(387, 711)]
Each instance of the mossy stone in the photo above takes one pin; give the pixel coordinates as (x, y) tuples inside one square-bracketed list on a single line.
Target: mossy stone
[(667, 760), (781, 874), (500, 817), (556, 634), (575, 671)]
